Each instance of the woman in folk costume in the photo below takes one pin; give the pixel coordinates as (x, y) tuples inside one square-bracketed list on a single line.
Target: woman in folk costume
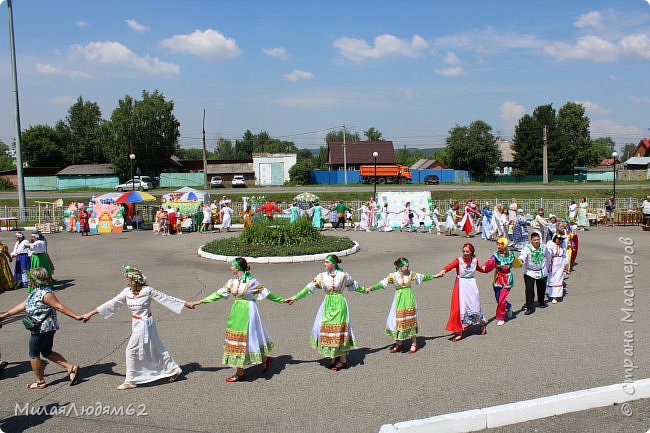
[(520, 234), (332, 333), (334, 216), (486, 224), (147, 359), (246, 339), (294, 212), (581, 219), (364, 217), (382, 219), (246, 216), (316, 213), (557, 263), (21, 254), (7, 281), (572, 210), (502, 261), (372, 210), (465, 310), (435, 218), (450, 223), (570, 232), (402, 321), (84, 225), (38, 255), (467, 224), (551, 229), (226, 217), (498, 228)]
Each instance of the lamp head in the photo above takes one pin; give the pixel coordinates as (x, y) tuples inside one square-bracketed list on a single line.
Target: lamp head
[(375, 154), (132, 156), (614, 155)]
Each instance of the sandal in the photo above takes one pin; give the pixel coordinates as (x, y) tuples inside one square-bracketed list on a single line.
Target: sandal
[(395, 348), (457, 338), (37, 385), (267, 363), (126, 385), (74, 371), (236, 377), (414, 348)]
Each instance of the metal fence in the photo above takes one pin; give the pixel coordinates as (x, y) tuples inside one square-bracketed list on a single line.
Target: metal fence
[(558, 207)]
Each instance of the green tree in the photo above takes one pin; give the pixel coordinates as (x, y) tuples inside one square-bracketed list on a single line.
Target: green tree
[(373, 134), (244, 147), (408, 157), (146, 128), (7, 162), (573, 138), (320, 162), (350, 137), (82, 133), (473, 148), (304, 155), (192, 154), (300, 173), (224, 150), (527, 148), (603, 147), (628, 151), (43, 146)]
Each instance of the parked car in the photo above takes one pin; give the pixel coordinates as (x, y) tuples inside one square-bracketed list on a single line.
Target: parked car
[(130, 185), (431, 179), (238, 180), (216, 182)]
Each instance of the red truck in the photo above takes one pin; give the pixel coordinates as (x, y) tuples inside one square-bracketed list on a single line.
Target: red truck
[(385, 174)]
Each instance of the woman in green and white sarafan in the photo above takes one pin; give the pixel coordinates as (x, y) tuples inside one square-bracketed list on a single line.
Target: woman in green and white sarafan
[(402, 321), (332, 333), (246, 339)]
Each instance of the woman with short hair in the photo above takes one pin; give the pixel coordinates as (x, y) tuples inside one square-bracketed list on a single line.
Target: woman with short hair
[(40, 307)]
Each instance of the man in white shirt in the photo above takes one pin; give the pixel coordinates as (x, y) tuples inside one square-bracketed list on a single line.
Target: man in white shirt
[(534, 261), (645, 206)]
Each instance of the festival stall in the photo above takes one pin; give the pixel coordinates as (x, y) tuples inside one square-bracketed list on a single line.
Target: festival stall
[(186, 201), (106, 216)]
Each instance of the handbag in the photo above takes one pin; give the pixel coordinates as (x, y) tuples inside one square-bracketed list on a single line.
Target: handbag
[(34, 325)]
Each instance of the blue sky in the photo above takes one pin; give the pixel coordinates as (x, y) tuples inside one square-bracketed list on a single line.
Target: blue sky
[(297, 69)]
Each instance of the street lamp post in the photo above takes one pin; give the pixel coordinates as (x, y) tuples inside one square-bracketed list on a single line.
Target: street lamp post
[(375, 155), (614, 156), (132, 158)]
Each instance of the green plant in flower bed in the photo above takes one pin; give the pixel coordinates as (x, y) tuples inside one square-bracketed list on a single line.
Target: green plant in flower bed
[(278, 238)]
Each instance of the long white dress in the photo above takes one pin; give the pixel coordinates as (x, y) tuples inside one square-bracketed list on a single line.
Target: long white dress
[(556, 261), (364, 217), (147, 359), (450, 224), (226, 218)]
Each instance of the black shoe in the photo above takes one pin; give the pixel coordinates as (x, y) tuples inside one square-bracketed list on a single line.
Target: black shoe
[(529, 312), (543, 305)]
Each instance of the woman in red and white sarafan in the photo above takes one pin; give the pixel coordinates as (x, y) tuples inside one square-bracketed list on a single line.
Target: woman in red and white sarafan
[(465, 310), (467, 224)]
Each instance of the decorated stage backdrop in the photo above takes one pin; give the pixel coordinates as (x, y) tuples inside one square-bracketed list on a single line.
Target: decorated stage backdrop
[(397, 201)]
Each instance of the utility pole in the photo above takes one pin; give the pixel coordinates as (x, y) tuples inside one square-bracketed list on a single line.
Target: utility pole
[(205, 157), (545, 163), (345, 160), (19, 158)]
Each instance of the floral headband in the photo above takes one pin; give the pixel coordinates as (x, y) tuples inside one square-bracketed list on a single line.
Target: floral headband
[(134, 274)]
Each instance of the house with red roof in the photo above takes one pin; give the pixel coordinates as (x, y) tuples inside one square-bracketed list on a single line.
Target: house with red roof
[(356, 154), (643, 148)]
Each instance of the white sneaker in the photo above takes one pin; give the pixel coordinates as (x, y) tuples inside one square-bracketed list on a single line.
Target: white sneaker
[(554, 301), (501, 323)]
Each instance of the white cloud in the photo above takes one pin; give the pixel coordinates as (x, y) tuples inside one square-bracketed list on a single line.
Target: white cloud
[(586, 48), (385, 46), (511, 112), (406, 92), (297, 75), (593, 107), (620, 133), (45, 69), (207, 44), (453, 71), (490, 41), (637, 45), (452, 59), (63, 100), (328, 99), (81, 24), (591, 19), (114, 53), (137, 27), (641, 99), (278, 52)]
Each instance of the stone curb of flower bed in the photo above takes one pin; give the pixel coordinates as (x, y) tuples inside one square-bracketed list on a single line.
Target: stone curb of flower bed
[(282, 259)]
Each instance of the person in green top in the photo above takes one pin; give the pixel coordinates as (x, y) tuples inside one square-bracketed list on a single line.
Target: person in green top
[(340, 209), (246, 339), (332, 333), (402, 321)]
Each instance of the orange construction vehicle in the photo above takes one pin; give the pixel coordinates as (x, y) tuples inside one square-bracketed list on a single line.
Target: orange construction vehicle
[(385, 174)]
